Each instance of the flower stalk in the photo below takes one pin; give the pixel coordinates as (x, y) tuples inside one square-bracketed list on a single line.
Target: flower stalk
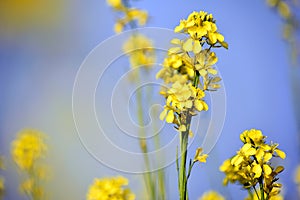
[(189, 71)]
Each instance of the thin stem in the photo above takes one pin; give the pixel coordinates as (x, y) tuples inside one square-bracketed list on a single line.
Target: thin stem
[(262, 193), (190, 169), (182, 170), (143, 145)]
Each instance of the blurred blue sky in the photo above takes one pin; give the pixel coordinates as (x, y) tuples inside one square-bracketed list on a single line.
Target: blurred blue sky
[(38, 66)]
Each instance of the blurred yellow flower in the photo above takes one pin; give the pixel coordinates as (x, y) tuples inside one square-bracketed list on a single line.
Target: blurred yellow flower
[(27, 150), (140, 50), (110, 189), (211, 195), (28, 147), (116, 4)]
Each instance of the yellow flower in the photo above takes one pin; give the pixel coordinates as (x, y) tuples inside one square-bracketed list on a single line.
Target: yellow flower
[(252, 135), (251, 165), (110, 188), (28, 147), (199, 156), (116, 4), (140, 50), (199, 25), (211, 195)]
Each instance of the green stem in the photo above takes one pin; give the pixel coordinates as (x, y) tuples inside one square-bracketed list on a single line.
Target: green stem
[(186, 119), (262, 193), (182, 169), (143, 145)]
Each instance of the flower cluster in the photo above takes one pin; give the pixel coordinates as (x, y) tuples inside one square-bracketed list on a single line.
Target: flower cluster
[(251, 165), (140, 51), (297, 178), (110, 188), (129, 15), (189, 68), (188, 71), (211, 195), (27, 150)]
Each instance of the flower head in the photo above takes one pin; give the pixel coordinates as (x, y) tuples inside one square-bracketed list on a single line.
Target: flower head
[(28, 148), (211, 195), (140, 50), (110, 188), (251, 164)]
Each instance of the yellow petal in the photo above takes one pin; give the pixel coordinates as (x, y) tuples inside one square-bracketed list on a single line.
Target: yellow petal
[(174, 50), (279, 169), (257, 171), (188, 45), (163, 114), (212, 71), (198, 105), (267, 156), (280, 153), (267, 169), (170, 116), (205, 106), (197, 47), (250, 152), (202, 158), (203, 72), (175, 41), (182, 128), (179, 27)]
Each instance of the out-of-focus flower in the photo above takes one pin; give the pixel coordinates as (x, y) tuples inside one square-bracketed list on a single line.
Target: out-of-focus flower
[(127, 15), (211, 195), (110, 188), (27, 151), (140, 50), (251, 165), (28, 148)]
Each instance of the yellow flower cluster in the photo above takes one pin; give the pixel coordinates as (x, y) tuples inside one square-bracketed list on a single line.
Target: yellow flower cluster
[(27, 150), (129, 15), (188, 71), (297, 178), (189, 68), (110, 189), (251, 165), (211, 195), (140, 50), (182, 98), (201, 27)]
